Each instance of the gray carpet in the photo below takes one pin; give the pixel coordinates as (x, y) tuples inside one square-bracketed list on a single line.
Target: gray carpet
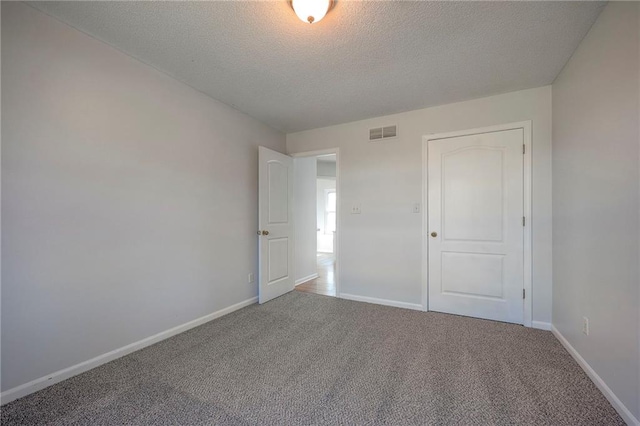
[(309, 360)]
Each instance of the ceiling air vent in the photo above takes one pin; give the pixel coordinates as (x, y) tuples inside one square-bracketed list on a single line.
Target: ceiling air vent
[(383, 133)]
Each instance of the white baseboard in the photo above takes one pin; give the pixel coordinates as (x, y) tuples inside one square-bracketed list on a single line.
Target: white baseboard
[(386, 302), (305, 279), (608, 393), (74, 370), (540, 325)]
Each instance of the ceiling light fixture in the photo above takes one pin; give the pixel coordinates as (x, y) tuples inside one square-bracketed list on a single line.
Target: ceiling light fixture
[(311, 11)]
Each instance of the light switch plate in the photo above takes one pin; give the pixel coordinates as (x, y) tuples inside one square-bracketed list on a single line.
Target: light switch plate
[(585, 325), (355, 208)]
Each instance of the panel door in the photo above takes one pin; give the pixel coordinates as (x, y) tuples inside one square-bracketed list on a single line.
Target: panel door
[(476, 234), (275, 220)]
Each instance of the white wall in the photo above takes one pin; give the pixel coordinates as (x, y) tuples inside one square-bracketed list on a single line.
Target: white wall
[(326, 168), (325, 240), (304, 194), (129, 200), (596, 200), (381, 248)]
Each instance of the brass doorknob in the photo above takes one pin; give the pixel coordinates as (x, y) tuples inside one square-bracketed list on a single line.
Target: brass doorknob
[(265, 232), (434, 234)]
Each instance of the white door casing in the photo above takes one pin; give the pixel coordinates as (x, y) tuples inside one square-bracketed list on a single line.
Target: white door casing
[(275, 224), (477, 193)]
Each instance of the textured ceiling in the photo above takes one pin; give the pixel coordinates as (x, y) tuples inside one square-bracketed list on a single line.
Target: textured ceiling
[(365, 59)]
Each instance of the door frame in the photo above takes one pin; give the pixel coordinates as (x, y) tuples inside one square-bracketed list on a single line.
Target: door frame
[(527, 208), (336, 243)]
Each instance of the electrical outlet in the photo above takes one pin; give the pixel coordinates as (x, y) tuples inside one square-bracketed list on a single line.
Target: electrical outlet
[(416, 208), (355, 208), (585, 325), (250, 277)]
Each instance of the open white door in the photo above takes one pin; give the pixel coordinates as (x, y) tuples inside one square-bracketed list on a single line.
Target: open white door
[(275, 221), (476, 234)]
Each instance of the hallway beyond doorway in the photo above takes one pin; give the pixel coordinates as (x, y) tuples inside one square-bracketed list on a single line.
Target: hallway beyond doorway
[(325, 284)]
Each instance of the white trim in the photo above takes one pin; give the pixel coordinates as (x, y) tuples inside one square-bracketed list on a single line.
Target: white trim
[(528, 229), (307, 278), (385, 302), (541, 325), (425, 225), (336, 242), (315, 153), (58, 376), (607, 392), (527, 208)]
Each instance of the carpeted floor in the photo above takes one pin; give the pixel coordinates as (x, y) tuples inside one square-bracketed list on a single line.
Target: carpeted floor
[(308, 359)]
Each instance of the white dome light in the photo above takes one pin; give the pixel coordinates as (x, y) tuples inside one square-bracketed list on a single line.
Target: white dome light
[(311, 11)]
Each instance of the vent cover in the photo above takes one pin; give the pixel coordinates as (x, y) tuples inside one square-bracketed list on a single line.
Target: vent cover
[(383, 133)]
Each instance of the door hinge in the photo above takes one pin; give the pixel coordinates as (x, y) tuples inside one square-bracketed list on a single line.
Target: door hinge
[(524, 148), (523, 221), (523, 293)]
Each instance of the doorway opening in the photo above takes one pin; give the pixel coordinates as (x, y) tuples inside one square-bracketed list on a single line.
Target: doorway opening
[(316, 222)]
